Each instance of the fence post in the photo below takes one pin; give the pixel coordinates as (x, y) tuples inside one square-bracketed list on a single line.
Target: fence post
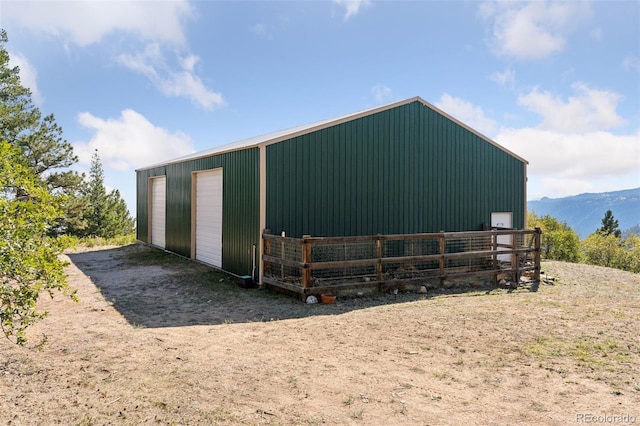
[(536, 244), (494, 248), (306, 259), (266, 247), (515, 259), (442, 253), (282, 256), (379, 256)]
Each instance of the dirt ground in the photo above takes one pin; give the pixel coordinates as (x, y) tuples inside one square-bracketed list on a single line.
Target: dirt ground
[(156, 339)]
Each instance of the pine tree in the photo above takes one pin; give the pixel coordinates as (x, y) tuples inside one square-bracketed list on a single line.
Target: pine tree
[(106, 214), (31, 150), (610, 225), (39, 139)]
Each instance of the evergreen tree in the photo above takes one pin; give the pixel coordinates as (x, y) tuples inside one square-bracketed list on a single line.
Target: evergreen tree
[(609, 225), (105, 214), (39, 139), (31, 151)]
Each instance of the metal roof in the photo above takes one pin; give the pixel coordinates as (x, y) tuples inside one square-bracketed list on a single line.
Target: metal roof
[(280, 135)]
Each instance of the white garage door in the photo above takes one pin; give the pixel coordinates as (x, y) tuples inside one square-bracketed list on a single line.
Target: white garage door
[(209, 217), (158, 210), (503, 220)]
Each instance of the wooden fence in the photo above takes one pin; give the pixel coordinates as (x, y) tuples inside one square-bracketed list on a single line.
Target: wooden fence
[(313, 265)]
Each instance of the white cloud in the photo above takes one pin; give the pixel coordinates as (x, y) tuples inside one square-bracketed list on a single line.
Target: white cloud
[(129, 141), (259, 29), (381, 92), (631, 63), (28, 75), (508, 77), (532, 30), (88, 22), (466, 112), (572, 150), (182, 82), (352, 7), (569, 164), (586, 155), (561, 187), (589, 110)]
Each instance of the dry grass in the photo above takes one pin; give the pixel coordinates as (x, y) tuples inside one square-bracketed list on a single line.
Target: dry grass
[(159, 340)]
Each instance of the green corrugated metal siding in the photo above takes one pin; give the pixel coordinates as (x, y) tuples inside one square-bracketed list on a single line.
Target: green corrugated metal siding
[(240, 228), (403, 170), (406, 169)]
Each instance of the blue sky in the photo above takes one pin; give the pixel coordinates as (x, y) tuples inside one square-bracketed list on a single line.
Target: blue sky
[(555, 82)]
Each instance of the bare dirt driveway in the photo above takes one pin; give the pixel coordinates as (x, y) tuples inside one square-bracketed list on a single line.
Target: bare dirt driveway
[(156, 339)]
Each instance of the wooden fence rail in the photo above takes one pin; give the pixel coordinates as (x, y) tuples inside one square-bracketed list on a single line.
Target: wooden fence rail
[(312, 265)]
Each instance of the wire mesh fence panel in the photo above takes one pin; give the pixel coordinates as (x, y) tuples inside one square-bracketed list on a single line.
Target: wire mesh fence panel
[(286, 273), (323, 262), (286, 251), (344, 252)]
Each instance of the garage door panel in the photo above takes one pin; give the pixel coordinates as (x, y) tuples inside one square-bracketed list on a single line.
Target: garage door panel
[(158, 211), (208, 217), (503, 220)]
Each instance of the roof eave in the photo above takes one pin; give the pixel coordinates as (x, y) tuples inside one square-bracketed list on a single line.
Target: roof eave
[(323, 124), (472, 130)]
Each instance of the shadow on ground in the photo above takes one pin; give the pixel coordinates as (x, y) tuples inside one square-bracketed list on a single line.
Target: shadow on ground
[(153, 288)]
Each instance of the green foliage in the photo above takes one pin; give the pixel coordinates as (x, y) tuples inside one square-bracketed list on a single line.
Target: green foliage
[(559, 241), (609, 225), (39, 139), (604, 247), (33, 190), (120, 240), (99, 214), (612, 251), (16, 109), (634, 230), (630, 260), (600, 249), (29, 257)]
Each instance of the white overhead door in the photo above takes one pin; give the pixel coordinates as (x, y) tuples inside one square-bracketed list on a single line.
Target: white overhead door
[(503, 220), (208, 217), (158, 208)]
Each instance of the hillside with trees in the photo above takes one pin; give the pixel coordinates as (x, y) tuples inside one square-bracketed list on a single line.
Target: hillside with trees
[(606, 246), (583, 212)]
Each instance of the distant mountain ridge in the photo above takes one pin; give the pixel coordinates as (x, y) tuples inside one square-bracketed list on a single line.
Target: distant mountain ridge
[(584, 212)]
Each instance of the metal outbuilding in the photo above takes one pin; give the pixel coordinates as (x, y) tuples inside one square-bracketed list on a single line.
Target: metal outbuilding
[(401, 168)]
